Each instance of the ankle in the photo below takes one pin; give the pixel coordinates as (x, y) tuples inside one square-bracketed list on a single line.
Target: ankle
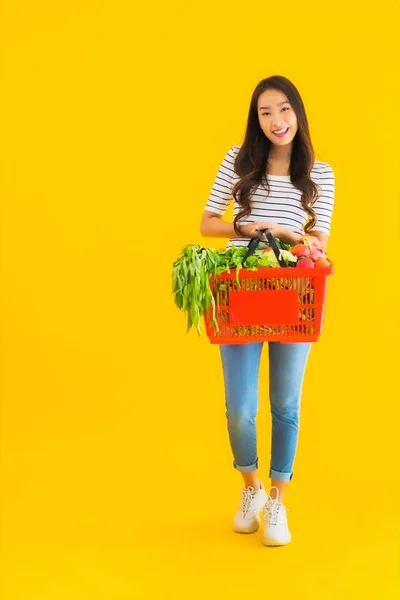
[(252, 480), (255, 485)]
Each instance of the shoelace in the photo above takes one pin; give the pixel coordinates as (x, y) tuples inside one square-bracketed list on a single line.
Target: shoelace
[(248, 495), (273, 508)]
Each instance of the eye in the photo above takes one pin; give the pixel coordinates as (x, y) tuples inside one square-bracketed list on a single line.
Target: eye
[(284, 108)]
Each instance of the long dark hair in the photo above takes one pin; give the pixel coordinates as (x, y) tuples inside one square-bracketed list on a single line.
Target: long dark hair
[(251, 161)]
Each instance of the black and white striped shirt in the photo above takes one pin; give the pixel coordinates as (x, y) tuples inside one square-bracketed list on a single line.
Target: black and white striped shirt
[(281, 206)]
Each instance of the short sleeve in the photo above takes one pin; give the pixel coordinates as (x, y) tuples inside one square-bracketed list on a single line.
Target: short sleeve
[(221, 191), (323, 207)]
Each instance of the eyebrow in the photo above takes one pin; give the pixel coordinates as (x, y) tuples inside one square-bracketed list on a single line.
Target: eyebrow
[(279, 104)]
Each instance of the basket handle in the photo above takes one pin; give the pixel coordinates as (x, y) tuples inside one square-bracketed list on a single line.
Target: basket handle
[(255, 241)]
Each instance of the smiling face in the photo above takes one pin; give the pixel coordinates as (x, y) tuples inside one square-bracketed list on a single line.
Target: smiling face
[(277, 117)]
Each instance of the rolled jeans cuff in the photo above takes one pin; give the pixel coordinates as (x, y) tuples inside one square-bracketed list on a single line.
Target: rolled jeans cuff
[(248, 468), (278, 476)]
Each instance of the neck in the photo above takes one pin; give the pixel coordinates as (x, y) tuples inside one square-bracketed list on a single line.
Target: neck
[(280, 154)]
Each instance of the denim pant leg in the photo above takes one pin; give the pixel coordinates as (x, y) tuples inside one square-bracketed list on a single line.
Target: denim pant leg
[(241, 364), (287, 364)]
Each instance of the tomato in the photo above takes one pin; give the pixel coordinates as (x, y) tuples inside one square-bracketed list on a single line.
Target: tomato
[(267, 250)]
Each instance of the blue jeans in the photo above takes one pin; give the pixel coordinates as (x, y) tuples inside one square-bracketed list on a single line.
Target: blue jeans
[(287, 363)]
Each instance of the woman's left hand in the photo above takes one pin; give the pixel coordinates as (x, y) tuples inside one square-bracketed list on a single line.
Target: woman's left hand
[(274, 229), (313, 241)]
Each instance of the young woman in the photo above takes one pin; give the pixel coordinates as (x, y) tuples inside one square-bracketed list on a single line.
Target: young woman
[(275, 182)]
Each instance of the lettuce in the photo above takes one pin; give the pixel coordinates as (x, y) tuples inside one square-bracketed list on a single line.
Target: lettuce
[(269, 259)]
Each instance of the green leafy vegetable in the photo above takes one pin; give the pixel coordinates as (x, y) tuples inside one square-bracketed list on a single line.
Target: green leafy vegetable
[(195, 265)]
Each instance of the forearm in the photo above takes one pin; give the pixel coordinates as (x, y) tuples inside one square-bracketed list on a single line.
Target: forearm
[(314, 237), (216, 227)]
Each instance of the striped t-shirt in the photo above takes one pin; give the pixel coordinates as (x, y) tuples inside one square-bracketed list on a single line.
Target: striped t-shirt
[(282, 205)]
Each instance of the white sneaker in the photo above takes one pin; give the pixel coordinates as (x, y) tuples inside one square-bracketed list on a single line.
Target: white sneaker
[(276, 530), (247, 518)]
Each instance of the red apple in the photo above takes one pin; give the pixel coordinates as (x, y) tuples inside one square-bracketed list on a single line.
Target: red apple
[(305, 263)]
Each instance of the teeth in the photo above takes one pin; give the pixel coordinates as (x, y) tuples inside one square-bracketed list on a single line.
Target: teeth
[(282, 130)]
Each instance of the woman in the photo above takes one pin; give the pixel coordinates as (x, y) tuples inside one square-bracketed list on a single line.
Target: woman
[(276, 183)]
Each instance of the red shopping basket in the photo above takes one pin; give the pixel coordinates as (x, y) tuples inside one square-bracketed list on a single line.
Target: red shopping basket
[(283, 304)]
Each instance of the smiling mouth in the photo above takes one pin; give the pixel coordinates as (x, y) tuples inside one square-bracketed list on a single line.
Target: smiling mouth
[(281, 133)]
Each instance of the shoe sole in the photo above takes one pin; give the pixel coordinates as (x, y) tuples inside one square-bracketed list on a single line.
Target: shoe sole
[(246, 531), (256, 528), (268, 542)]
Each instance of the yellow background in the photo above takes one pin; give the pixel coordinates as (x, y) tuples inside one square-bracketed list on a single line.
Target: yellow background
[(116, 469)]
